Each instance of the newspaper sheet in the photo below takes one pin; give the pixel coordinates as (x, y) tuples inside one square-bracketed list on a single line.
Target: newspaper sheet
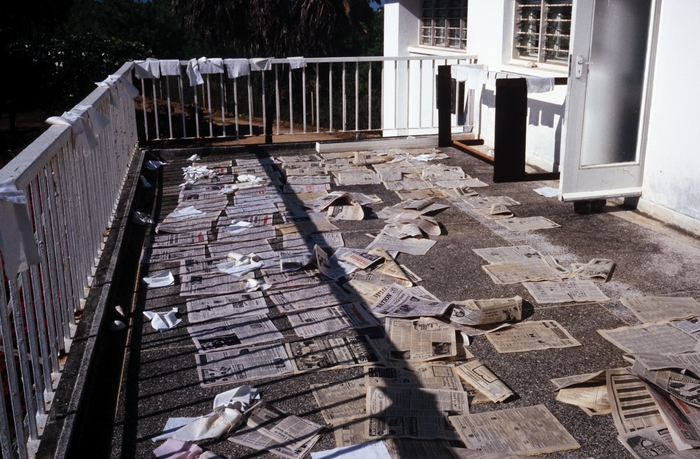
[(480, 312), (653, 362), (440, 376), (565, 292), (400, 448), (421, 194), (411, 246), (289, 429), (532, 270), (242, 364), (176, 239), (245, 210), (187, 225), (661, 308), (459, 193), (528, 431), (485, 202), (332, 352), (290, 215), (308, 180), (258, 196), (655, 442), (592, 397), (527, 223), (587, 378), (408, 184), (230, 333), (290, 188), (483, 380), (301, 278), (598, 269), (630, 402), (219, 307), (495, 212), (508, 254), (202, 266), (467, 182), (170, 254), (437, 172), (661, 338), (326, 240), (375, 277), (236, 232), (253, 439), (682, 420), (367, 292), (532, 336), (361, 259), (304, 171), (421, 340), (341, 401), (332, 319), (316, 296), (414, 413), (350, 433), (683, 387), (202, 285), (399, 301), (356, 177)]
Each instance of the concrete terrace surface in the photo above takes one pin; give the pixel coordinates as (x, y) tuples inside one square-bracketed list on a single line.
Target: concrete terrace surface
[(159, 379)]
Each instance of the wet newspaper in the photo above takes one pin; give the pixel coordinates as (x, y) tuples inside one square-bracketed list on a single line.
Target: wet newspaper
[(598, 269), (528, 431), (480, 312), (421, 340), (565, 292), (413, 413), (427, 376), (242, 364), (411, 246), (661, 338), (483, 380), (332, 352), (315, 322), (527, 223), (508, 254), (230, 333), (630, 402), (399, 301), (288, 429), (532, 336), (225, 306), (515, 272), (661, 308), (341, 401)]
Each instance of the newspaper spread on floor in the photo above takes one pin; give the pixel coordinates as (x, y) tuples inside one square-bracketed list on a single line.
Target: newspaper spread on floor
[(483, 380), (242, 364), (421, 340), (332, 352), (230, 333), (528, 431), (414, 413), (480, 312), (658, 338), (427, 376), (532, 336), (630, 402), (341, 401), (565, 292), (661, 308)]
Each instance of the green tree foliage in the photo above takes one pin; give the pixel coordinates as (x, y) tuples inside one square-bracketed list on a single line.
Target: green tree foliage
[(281, 28)]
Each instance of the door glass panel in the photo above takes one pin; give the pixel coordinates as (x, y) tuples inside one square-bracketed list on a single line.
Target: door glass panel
[(616, 75)]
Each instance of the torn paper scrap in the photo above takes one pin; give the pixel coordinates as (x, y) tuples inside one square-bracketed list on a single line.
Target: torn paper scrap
[(172, 425), (213, 425), (547, 191), (160, 280), (372, 450), (176, 449), (163, 321), (240, 397)]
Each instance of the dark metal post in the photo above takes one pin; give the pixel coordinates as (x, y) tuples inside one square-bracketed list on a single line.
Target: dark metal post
[(444, 93)]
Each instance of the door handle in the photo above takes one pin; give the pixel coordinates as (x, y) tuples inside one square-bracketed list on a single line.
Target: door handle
[(580, 62)]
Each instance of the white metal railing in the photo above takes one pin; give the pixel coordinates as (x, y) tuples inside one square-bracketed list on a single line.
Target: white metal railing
[(391, 95), (70, 180)]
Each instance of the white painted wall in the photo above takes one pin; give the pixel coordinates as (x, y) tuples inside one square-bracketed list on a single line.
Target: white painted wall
[(672, 163)]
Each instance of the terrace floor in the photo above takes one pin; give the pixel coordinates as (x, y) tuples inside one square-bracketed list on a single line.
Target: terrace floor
[(159, 377)]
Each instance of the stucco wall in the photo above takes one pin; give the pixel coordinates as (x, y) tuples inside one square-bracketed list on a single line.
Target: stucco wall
[(672, 163)]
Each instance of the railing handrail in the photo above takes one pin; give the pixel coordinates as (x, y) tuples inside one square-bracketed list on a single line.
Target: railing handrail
[(325, 60)]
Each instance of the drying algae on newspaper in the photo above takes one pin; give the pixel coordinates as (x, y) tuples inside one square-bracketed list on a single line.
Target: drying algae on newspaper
[(272, 291)]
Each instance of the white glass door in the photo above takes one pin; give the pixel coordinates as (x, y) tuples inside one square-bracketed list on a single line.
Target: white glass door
[(606, 108)]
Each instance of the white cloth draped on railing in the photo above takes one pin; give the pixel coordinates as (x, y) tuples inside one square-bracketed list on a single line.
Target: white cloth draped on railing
[(475, 76), (17, 242)]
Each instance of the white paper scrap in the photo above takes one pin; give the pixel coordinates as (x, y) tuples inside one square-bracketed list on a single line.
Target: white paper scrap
[(240, 397), (171, 426), (162, 321), (547, 191), (160, 280), (176, 449), (373, 450)]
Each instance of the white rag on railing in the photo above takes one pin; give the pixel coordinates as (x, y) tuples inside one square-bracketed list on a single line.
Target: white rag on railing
[(193, 72), (210, 65), (237, 67), (296, 62), (119, 88), (85, 122), (474, 77), (17, 243), (148, 69), (261, 64), (170, 67)]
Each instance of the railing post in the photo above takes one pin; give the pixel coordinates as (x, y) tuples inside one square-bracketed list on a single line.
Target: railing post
[(444, 92)]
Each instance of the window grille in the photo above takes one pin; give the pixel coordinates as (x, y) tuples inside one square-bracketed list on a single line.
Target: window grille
[(444, 23), (542, 30)]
